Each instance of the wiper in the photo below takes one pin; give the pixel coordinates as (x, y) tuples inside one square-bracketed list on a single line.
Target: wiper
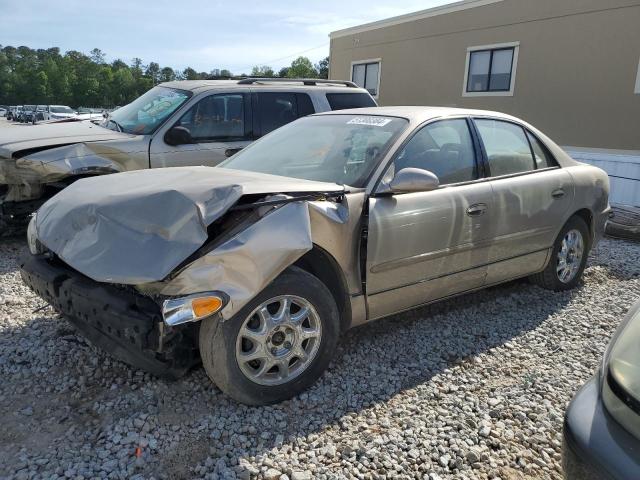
[(118, 126)]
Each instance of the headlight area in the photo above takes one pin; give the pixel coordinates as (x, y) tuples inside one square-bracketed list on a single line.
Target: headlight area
[(35, 247), (192, 308), (620, 376)]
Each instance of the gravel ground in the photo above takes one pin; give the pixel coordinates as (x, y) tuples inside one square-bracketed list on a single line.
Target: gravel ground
[(470, 388)]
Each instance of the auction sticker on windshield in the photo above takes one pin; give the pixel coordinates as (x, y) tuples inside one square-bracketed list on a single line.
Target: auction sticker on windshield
[(371, 121)]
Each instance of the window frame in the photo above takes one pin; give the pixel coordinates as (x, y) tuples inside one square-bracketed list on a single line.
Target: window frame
[(492, 48), (367, 62), (247, 118), (637, 89), (485, 160)]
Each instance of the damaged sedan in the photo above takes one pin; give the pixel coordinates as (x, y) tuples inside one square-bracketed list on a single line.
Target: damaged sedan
[(256, 268)]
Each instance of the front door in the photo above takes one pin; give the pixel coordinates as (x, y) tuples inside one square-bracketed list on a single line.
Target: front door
[(219, 124), (428, 245)]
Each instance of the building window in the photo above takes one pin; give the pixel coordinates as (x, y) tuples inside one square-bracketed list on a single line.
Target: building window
[(637, 90), (491, 70), (366, 74)]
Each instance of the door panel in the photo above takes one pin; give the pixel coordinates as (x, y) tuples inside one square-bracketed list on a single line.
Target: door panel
[(417, 238), (532, 208)]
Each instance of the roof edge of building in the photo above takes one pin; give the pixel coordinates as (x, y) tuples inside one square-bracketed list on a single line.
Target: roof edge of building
[(410, 17)]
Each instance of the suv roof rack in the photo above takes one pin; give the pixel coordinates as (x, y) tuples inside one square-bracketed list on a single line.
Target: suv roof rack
[(305, 81)]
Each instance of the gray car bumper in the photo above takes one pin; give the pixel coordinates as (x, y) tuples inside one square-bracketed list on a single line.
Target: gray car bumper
[(595, 445)]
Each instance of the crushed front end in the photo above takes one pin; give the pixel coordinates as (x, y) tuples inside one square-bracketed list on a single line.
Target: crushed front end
[(117, 319)]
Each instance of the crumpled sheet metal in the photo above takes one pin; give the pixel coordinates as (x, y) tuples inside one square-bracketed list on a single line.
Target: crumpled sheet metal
[(137, 227), (244, 265)]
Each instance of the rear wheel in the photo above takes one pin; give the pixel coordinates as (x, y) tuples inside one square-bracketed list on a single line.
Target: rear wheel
[(277, 345), (568, 258)]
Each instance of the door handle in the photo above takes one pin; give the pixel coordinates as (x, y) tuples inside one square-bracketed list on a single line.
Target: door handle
[(477, 209), (231, 151), (559, 193)]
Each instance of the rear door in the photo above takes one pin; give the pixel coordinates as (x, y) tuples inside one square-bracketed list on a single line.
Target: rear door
[(277, 108), (220, 125), (531, 195)]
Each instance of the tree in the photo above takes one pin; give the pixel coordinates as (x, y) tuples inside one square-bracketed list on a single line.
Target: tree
[(190, 74), (284, 72), (302, 67), (262, 71), (153, 72), (97, 56), (323, 68), (167, 74), (226, 73)]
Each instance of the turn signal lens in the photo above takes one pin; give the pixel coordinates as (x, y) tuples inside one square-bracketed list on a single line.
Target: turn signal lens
[(205, 306)]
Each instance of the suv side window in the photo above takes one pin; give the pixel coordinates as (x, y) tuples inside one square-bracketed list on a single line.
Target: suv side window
[(507, 147), (276, 109), (216, 117), (444, 148), (341, 101), (541, 154)]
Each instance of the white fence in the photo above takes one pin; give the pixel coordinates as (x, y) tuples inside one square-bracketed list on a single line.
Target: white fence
[(623, 169)]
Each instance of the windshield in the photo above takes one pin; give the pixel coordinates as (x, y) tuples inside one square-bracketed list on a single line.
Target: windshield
[(146, 113), (341, 149), (61, 110)]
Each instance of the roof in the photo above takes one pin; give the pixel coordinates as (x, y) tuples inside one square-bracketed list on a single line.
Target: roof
[(410, 17), (197, 86), (418, 114)]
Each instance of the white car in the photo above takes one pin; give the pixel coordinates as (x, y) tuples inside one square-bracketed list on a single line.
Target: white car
[(58, 112), (3, 112)]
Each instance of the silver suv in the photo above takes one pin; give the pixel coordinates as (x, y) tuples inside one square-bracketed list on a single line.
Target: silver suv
[(197, 122)]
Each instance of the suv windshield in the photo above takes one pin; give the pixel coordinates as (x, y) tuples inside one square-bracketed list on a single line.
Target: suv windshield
[(61, 110), (341, 149), (147, 112)]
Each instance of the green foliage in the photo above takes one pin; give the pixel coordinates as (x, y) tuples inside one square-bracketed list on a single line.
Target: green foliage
[(29, 76), (323, 68), (264, 71), (302, 67)]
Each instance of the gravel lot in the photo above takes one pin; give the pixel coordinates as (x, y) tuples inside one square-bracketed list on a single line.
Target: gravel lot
[(470, 388)]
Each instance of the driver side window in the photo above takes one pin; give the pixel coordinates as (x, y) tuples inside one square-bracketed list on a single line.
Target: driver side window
[(444, 148), (216, 117)]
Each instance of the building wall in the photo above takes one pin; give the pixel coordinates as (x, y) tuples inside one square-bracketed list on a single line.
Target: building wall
[(576, 73)]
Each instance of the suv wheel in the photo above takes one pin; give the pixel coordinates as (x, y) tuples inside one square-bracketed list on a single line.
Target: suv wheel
[(568, 258), (277, 345)]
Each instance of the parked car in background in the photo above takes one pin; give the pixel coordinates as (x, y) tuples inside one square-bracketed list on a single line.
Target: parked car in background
[(602, 423), (58, 112), (12, 114), (199, 122), (337, 219), (3, 112), (27, 113), (90, 113)]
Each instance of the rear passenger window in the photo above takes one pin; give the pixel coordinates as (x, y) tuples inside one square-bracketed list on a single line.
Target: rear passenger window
[(541, 155), (305, 106), (507, 147), (342, 101), (444, 148), (275, 110)]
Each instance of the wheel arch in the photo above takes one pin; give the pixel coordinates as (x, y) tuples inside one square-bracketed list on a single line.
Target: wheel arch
[(321, 264), (586, 215)]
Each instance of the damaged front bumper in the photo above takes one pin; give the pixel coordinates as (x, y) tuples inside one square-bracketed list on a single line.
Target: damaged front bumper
[(125, 323)]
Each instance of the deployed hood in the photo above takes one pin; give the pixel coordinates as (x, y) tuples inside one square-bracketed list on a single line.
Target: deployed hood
[(137, 227), (15, 140)]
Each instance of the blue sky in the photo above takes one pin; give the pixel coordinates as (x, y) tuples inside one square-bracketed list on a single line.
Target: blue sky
[(201, 34)]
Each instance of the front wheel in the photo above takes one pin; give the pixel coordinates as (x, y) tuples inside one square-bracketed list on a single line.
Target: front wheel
[(568, 258), (277, 345)]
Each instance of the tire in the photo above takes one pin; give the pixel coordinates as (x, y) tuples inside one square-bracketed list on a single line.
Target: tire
[(223, 344), (550, 277)]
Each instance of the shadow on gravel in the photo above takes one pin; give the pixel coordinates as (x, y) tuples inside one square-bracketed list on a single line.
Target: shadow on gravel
[(374, 363)]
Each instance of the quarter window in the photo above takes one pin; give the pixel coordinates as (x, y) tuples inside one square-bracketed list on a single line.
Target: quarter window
[(367, 75), (541, 154), (216, 117), (507, 147), (444, 148)]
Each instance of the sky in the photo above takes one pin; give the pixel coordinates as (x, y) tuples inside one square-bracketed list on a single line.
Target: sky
[(200, 34)]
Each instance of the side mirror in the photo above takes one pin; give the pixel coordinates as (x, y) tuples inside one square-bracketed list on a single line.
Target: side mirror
[(414, 180), (178, 136)]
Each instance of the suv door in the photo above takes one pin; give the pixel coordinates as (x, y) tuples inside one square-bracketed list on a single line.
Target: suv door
[(428, 245), (219, 124), (275, 109), (531, 195)]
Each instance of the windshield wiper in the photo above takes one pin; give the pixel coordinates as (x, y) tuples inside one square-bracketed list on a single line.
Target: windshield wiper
[(118, 126)]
